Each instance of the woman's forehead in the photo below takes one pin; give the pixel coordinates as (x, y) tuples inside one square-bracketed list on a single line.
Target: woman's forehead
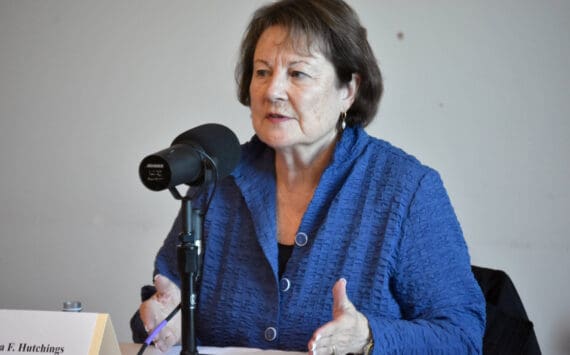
[(302, 43)]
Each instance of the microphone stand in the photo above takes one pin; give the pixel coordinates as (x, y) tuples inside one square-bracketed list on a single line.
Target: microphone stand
[(189, 266)]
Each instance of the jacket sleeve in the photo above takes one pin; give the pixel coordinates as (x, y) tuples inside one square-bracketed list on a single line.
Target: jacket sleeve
[(442, 306), (166, 262)]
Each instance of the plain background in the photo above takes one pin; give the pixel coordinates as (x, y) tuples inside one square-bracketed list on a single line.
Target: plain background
[(479, 90)]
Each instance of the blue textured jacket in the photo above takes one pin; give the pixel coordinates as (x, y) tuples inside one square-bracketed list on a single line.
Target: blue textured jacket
[(378, 218)]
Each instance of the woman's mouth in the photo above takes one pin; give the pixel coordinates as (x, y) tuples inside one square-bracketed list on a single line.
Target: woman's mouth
[(276, 117)]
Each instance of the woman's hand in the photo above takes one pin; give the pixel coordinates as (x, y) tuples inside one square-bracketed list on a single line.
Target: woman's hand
[(156, 309), (347, 332)]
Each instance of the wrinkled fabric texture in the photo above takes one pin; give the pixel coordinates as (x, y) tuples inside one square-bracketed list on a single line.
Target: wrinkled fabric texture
[(378, 218)]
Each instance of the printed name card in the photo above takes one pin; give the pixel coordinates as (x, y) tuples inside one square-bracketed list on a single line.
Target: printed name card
[(56, 333)]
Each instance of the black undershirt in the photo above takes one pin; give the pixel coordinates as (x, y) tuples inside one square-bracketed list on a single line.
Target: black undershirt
[(285, 252)]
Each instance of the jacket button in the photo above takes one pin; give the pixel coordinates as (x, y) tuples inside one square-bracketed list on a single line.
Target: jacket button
[(285, 284), (270, 334), (301, 239)]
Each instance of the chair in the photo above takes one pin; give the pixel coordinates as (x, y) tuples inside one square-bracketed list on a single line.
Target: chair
[(508, 329)]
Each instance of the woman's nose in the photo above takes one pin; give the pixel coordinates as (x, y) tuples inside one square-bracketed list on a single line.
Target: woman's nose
[(277, 88)]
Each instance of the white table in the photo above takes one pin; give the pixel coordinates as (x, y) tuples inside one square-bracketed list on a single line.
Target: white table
[(132, 349)]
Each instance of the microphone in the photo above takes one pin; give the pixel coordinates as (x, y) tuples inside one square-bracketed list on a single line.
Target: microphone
[(188, 157)]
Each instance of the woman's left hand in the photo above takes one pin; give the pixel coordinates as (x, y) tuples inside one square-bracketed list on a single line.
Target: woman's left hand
[(347, 332)]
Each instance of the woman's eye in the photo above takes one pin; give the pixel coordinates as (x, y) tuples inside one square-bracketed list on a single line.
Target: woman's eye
[(298, 74), (261, 72)]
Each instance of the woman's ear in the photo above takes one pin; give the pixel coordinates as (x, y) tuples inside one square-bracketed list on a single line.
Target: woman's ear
[(350, 91)]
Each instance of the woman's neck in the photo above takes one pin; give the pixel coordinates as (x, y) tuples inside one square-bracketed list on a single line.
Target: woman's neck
[(300, 168), (298, 172)]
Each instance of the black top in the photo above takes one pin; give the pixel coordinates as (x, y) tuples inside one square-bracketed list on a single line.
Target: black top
[(285, 252)]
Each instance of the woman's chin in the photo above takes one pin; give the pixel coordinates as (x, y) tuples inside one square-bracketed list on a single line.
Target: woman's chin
[(278, 143), (276, 138)]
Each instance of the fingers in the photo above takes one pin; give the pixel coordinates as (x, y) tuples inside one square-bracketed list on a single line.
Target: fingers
[(344, 335), (164, 287), (318, 348), (323, 344), (167, 292), (154, 310), (161, 283), (341, 303), (167, 338), (153, 313), (347, 332), (149, 313), (331, 334), (323, 338)]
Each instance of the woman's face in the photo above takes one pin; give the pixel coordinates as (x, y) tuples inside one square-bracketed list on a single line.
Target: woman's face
[(295, 97)]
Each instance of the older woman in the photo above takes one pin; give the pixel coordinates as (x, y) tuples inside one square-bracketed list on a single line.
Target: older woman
[(324, 238)]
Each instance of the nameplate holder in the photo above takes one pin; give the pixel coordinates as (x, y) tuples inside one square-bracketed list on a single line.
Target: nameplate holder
[(56, 333)]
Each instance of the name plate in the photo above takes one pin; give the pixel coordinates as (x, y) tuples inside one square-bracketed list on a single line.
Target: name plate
[(56, 333)]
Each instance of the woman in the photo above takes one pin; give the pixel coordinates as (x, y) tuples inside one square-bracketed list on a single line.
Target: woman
[(323, 238)]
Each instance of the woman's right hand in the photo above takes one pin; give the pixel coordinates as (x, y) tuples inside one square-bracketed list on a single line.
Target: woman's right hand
[(157, 308)]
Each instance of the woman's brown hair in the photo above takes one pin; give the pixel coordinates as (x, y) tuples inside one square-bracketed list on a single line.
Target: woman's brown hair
[(335, 28)]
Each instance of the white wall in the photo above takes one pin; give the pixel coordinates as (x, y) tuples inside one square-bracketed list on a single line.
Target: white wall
[(478, 90)]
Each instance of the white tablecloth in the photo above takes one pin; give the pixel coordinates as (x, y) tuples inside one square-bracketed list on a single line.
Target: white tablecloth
[(131, 349)]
